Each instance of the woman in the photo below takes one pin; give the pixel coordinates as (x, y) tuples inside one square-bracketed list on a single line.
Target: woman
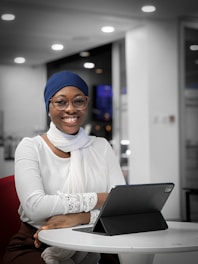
[(62, 177)]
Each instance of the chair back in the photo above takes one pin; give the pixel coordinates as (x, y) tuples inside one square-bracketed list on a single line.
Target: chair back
[(9, 219)]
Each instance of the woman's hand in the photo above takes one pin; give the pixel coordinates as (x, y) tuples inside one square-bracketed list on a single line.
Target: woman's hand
[(68, 220), (62, 221), (101, 199)]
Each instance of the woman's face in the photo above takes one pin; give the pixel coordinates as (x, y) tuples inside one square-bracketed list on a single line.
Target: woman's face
[(68, 109)]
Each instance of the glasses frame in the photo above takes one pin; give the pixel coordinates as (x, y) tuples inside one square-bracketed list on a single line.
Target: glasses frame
[(57, 107)]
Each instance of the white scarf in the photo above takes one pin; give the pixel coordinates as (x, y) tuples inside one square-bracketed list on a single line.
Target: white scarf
[(76, 182), (72, 143)]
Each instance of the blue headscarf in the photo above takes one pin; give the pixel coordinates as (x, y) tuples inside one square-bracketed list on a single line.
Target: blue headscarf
[(62, 79)]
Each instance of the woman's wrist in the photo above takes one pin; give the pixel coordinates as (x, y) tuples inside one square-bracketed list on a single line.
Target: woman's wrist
[(84, 218), (101, 200)]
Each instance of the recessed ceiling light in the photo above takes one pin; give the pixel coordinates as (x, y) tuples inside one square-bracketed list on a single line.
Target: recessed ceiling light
[(57, 47), (108, 29), (194, 47), (84, 53), (99, 71), (8, 17), (19, 60), (89, 65), (125, 142), (148, 8)]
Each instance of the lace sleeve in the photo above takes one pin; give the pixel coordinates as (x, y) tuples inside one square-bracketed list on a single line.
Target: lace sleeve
[(80, 202), (93, 216)]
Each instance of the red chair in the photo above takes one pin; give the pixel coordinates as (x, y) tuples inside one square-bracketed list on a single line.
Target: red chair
[(9, 219)]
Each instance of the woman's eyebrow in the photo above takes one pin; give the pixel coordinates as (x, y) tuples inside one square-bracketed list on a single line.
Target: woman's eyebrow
[(62, 95)]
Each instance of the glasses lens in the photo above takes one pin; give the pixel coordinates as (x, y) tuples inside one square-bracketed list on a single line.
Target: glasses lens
[(80, 102), (61, 103)]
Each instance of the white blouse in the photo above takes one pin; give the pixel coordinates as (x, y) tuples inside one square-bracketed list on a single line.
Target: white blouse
[(40, 177)]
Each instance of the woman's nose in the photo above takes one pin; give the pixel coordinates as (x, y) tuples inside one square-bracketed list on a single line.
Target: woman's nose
[(70, 107)]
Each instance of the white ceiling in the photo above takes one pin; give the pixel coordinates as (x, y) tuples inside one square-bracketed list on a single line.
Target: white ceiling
[(75, 23)]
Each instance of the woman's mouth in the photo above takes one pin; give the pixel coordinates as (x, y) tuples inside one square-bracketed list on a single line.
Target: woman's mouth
[(70, 119)]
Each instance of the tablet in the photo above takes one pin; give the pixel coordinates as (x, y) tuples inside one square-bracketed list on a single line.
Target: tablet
[(132, 208)]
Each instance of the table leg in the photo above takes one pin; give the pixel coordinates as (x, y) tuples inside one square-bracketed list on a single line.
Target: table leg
[(188, 217), (135, 258)]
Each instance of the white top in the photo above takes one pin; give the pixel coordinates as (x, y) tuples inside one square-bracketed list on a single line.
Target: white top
[(179, 237), (40, 176)]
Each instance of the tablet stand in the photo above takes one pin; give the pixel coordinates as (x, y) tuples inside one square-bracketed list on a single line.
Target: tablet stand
[(125, 224)]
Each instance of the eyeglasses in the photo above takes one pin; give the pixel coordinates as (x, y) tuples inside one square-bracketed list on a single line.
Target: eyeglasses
[(61, 103)]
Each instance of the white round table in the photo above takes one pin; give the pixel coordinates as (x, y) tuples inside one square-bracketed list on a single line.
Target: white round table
[(136, 248)]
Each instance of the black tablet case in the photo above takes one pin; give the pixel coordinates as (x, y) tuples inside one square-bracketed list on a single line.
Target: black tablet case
[(134, 208)]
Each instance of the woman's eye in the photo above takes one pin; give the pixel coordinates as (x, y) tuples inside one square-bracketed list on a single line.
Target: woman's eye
[(62, 102), (79, 101)]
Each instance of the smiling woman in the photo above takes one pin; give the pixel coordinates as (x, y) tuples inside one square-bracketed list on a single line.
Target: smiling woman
[(68, 109), (62, 176)]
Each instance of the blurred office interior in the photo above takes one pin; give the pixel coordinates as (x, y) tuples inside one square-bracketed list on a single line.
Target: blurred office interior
[(144, 85)]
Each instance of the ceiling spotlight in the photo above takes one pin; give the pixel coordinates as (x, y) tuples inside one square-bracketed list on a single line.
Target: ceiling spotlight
[(98, 71), (84, 53), (148, 8), (108, 29), (8, 17), (194, 47), (125, 142), (57, 47), (89, 65), (19, 60)]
